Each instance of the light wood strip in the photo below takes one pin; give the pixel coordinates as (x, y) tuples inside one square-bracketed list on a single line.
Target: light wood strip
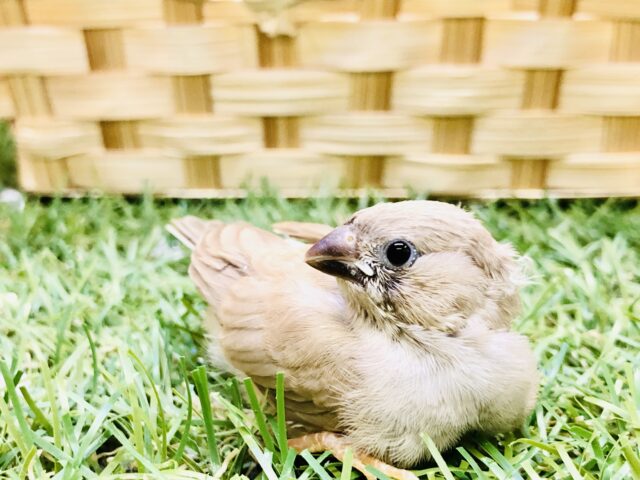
[(370, 91), (621, 9), (30, 99), (457, 90), (30, 96), (183, 12), (461, 44), (236, 12), (279, 131), (279, 92), (106, 53), (616, 173), (447, 173), (41, 51), (550, 43), (542, 87), (369, 46), (366, 133), (203, 135), (127, 171), (191, 49), (283, 168), (611, 89), (93, 14), (536, 134), (216, 48), (55, 139), (622, 134), (111, 96), (453, 9)]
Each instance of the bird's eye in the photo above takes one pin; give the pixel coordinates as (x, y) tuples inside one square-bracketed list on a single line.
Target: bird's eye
[(399, 253)]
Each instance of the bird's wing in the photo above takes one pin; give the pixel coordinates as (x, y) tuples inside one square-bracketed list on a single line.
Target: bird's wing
[(271, 313), (307, 232)]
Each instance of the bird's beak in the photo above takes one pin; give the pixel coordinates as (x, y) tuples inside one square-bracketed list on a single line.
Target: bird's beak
[(336, 254)]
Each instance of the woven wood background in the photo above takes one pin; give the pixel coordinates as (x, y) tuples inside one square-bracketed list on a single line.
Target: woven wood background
[(191, 97)]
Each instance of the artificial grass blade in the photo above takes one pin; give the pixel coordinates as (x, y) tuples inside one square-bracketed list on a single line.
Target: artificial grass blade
[(437, 457), (200, 380), (259, 415), (187, 424), (347, 463), (315, 465), (280, 411)]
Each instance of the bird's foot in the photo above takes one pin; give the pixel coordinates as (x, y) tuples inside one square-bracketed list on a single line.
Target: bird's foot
[(338, 445)]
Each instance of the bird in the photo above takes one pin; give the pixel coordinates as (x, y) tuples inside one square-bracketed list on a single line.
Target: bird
[(394, 325)]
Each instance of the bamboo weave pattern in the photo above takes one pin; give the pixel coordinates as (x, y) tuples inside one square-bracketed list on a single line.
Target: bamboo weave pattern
[(193, 97)]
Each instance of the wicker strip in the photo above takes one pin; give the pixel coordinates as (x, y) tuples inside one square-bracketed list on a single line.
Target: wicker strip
[(280, 92), (457, 90), (202, 135), (449, 174), (536, 135), (365, 133), (53, 140), (542, 87), (103, 169), (190, 50), (629, 9), (30, 99), (369, 46), (616, 172), (286, 168), (41, 51), (550, 43), (93, 14), (603, 90), (192, 93), (113, 95), (370, 91), (454, 9)]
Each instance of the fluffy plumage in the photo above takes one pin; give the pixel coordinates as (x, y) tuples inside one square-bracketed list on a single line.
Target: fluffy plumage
[(377, 351)]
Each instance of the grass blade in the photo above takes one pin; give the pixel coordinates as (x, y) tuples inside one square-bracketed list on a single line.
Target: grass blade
[(566, 459), (163, 423), (200, 380), (27, 434), (315, 465), (259, 414), (347, 464), (287, 467), (94, 358), (282, 424), (437, 457), (472, 462), (187, 424)]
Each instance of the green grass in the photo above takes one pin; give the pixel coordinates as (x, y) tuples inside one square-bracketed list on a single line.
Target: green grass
[(100, 344), (7, 157)]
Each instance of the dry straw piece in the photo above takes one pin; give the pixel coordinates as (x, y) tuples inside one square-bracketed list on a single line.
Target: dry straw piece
[(196, 97)]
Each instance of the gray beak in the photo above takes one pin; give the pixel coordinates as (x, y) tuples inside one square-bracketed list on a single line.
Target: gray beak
[(336, 254)]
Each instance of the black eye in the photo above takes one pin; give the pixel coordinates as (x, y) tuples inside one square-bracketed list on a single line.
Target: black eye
[(399, 253)]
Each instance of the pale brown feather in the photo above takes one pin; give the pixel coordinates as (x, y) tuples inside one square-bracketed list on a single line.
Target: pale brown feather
[(304, 231), (269, 313)]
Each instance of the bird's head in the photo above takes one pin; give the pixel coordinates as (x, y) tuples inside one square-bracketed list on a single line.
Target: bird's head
[(420, 264)]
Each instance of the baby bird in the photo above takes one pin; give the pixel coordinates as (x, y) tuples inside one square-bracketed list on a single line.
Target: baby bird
[(394, 325)]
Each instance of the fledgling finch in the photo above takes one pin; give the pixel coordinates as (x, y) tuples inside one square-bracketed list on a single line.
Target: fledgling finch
[(393, 325)]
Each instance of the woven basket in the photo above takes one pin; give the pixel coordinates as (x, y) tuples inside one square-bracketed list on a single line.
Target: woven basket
[(195, 98)]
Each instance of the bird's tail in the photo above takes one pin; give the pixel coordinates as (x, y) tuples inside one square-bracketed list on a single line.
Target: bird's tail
[(189, 230)]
